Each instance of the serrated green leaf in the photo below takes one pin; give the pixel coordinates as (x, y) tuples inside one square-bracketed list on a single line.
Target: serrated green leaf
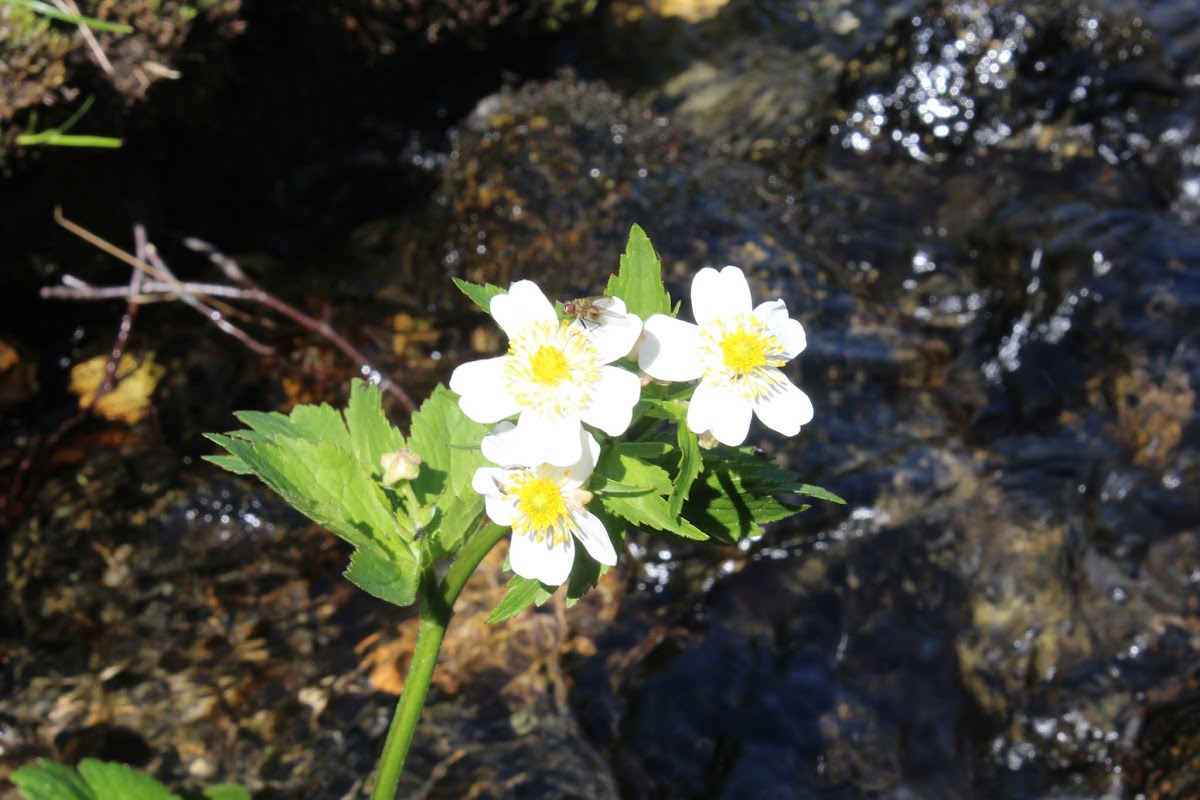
[(321, 423), (646, 450), (50, 780), (739, 493), (457, 518), (376, 574), (271, 424), (330, 486), (521, 594), (619, 465), (231, 463), (639, 281), (817, 492), (112, 781), (449, 446), (480, 295), (227, 791), (691, 464), (602, 485), (648, 508), (371, 434)]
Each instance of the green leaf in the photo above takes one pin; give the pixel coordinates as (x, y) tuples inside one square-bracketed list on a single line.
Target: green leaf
[(817, 492), (371, 435), (480, 295), (647, 509), (231, 463), (449, 446), (646, 450), (328, 483), (376, 574), (227, 791), (521, 594), (457, 517), (639, 281), (322, 423), (50, 11), (50, 780), (112, 781), (741, 492), (690, 465), (269, 424)]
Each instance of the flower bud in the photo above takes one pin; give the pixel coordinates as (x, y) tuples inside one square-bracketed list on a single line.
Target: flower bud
[(400, 465)]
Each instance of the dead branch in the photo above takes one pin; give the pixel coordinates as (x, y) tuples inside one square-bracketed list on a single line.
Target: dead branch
[(163, 285)]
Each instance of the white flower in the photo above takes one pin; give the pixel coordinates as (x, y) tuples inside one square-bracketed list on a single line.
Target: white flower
[(544, 504), (736, 352), (555, 375)]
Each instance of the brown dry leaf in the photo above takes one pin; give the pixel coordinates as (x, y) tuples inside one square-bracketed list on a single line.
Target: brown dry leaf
[(18, 379), (129, 399)]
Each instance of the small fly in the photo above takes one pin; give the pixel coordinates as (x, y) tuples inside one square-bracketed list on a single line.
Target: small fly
[(592, 310)]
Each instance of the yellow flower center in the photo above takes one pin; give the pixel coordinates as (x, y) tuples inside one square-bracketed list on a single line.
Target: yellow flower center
[(743, 351), (552, 368), (549, 366), (542, 504)]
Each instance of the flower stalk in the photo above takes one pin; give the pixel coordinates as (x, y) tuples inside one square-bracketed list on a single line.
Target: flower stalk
[(437, 607)]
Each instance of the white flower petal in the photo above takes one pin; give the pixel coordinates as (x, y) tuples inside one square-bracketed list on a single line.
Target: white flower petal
[(524, 305), (785, 409), (541, 561), (504, 446), (549, 440), (480, 385), (578, 473), (717, 295), (669, 349), (591, 532), (617, 332), (611, 406), (500, 509), (720, 410), (788, 331)]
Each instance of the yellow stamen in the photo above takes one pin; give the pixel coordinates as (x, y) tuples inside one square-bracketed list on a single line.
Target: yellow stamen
[(541, 503), (743, 351), (549, 366)]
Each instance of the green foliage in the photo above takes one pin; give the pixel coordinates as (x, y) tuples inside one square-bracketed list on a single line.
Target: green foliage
[(51, 12), (327, 468), (521, 594), (59, 137), (480, 295), (690, 466), (639, 281), (103, 780), (637, 491), (741, 491)]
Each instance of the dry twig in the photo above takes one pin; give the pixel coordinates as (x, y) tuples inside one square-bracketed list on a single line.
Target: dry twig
[(163, 285)]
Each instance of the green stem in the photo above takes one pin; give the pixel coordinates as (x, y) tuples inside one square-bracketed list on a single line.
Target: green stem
[(437, 607)]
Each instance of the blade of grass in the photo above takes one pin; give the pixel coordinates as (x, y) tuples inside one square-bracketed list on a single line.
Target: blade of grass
[(47, 10)]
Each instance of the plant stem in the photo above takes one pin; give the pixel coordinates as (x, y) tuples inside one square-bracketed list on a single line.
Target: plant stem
[(437, 607)]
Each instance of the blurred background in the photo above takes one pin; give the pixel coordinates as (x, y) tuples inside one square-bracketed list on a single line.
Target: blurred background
[(984, 214)]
